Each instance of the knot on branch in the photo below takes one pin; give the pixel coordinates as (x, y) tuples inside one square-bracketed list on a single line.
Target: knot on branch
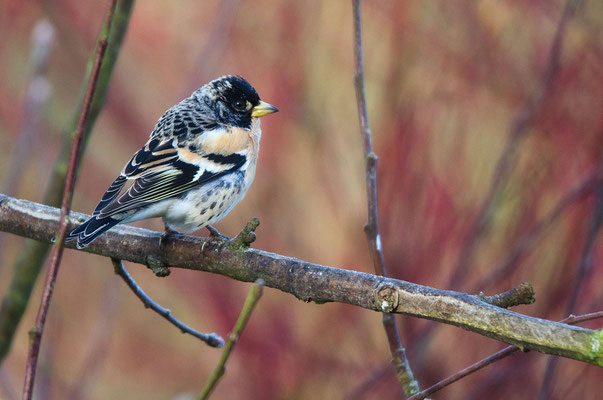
[(521, 294), (247, 236), (370, 230), (387, 298), (157, 266), (33, 333)]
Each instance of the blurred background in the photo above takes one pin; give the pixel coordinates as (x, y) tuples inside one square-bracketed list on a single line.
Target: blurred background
[(446, 83)]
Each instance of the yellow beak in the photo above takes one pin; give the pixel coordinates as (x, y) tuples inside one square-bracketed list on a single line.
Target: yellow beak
[(263, 109)]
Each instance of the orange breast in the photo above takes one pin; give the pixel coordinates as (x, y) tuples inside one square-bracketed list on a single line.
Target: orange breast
[(229, 141)]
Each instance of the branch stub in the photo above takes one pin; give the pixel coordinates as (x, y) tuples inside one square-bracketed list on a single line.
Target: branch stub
[(387, 298)]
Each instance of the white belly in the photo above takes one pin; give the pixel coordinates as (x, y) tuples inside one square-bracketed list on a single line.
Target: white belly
[(208, 203)]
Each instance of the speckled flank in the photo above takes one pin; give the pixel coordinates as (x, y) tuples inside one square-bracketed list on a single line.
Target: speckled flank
[(208, 204)]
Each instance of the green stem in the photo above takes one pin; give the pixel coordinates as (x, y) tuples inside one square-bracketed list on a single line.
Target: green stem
[(252, 299)]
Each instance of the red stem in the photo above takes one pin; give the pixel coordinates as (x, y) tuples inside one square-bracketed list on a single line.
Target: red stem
[(57, 250)]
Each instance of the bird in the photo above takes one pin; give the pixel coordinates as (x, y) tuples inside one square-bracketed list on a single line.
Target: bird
[(198, 163)]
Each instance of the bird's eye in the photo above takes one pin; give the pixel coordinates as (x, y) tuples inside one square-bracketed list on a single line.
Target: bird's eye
[(239, 105)]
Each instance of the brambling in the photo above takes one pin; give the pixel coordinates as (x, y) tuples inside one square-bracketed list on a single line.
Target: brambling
[(198, 163)]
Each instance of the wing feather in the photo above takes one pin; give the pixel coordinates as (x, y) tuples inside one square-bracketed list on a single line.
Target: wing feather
[(161, 170), (110, 194)]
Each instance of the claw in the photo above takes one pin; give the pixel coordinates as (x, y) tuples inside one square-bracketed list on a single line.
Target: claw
[(166, 235), (215, 239)]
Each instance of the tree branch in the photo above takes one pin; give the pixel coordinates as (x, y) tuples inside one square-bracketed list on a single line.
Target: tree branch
[(313, 282), (399, 360), (499, 355)]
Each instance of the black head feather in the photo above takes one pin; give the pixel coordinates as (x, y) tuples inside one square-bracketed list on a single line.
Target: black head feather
[(231, 99)]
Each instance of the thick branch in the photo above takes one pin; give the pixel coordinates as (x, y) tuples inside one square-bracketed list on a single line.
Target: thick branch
[(312, 282), (507, 351)]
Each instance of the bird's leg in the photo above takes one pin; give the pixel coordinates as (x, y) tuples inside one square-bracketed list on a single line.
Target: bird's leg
[(166, 235), (213, 233)]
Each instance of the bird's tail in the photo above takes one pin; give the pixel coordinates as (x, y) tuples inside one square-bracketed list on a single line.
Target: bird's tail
[(90, 230)]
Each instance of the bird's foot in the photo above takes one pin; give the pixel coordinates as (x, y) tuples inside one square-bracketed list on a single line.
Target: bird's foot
[(165, 236), (215, 240)]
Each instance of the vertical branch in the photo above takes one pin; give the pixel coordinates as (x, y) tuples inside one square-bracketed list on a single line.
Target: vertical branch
[(586, 259), (57, 250), (250, 302), (519, 128), (32, 255), (399, 360)]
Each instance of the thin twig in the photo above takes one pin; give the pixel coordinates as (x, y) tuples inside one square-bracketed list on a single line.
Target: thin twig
[(318, 283), (399, 360), (507, 351), (57, 250), (31, 257), (519, 128), (212, 339), (586, 260), (250, 302)]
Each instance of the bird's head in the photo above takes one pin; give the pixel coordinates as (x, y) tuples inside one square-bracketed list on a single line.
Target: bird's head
[(233, 101)]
